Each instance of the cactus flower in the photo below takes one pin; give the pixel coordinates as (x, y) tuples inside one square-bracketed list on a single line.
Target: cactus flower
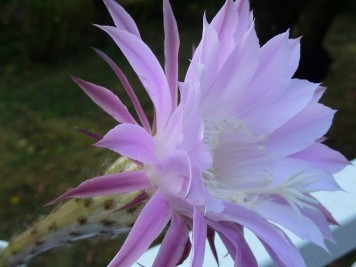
[(237, 144)]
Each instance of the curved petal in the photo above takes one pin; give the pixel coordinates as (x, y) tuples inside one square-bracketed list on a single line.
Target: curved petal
[(193, 128), (327, 215), (121, 18), (225, 23), (302, 130), (281, 54), (323, 157), (319, 217), (131, 141), (245, 18), (232, 236), (207, 56), (286, 216), (174, 173), (148, 70), (222, 97), (171, 49), (149, 224), (211, 240), (173, 245), (294, 97), (288, 254), (199, 236), (106, 99), (307, 177), (116, 183), (196, 193)]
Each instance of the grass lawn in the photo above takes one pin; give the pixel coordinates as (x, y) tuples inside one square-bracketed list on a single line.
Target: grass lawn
[(42, 154)]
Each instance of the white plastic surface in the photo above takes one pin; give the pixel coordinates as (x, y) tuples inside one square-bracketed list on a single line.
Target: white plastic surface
[(3, 244)]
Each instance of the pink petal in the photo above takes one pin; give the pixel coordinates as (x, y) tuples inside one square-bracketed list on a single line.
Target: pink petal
[(328, 216), (264, 230), (173, 244), (138, 199), (148, 70), (273, 67), (185, 254), (286, 216), (131, 141), (170, 137), (245, 19), (122, 19), (199, 236), (318, 94), (211, 240), (281, 55), (149, 224), (193, 128), (110, 184), (314, 179), (232, 236), (171, 49), (207, 56), (109, 102), (229, 85), (301, 131), (296, 96), (139, 110), (318, 217), (196, 193), (294, 58), (225, 23), (91, 134), (174, 173), (323, 157)]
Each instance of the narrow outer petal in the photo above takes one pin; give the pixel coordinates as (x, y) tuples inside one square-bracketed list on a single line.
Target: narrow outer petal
[(199, 236), (149, 224), (131, 141), (171, 49), (173, 244), (121, 18), (106, 99), (232, 236), (128, 88), (211, 240), (148, 70), (110, 184)]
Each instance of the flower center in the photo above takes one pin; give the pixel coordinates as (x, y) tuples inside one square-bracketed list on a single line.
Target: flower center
[(240, 172)]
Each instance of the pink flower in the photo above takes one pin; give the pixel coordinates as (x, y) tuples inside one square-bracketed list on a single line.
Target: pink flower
[(242, 148)]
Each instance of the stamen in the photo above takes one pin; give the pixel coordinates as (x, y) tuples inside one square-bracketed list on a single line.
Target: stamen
[(246, 189)]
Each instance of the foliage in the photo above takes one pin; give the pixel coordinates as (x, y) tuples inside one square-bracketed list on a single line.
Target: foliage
[(42, 30)]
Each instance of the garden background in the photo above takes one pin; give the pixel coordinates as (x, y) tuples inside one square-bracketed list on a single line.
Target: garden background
[(42, 41)]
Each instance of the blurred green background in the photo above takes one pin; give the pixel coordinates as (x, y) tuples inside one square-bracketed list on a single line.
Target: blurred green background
[(41, 153)]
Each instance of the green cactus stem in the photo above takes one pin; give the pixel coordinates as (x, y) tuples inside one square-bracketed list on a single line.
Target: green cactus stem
[(76, 219)]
